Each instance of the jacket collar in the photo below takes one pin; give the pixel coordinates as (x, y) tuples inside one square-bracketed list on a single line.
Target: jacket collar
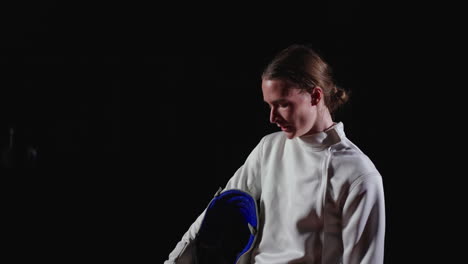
[(324, 139)]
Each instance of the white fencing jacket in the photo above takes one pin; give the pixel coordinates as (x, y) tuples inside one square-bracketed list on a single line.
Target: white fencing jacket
[(320, 198)]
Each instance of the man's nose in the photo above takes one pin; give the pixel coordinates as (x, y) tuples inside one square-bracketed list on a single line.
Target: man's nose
[(273, 115)]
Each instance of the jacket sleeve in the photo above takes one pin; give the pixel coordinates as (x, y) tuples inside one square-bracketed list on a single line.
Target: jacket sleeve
[(246, 178), (364, 221), (183, 253)]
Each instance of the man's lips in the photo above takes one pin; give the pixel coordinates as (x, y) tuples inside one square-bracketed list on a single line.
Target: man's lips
[(284, 127)]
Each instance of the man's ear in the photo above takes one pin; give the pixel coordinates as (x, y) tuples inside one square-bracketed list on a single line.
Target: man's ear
[(316, 95)]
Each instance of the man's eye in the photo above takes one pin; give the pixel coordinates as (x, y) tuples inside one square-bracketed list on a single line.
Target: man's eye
[(284, 105)]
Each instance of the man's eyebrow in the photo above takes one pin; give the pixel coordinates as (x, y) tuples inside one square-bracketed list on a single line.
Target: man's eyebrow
[(281, 100)]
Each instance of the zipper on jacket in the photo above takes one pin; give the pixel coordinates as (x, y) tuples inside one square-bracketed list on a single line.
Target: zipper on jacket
[(325, 178)]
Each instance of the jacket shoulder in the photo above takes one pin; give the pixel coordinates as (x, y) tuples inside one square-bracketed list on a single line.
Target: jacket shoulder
[(348, 159), (273, 141)]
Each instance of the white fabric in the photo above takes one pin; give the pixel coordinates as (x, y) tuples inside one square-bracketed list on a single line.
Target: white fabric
[(321, 201)]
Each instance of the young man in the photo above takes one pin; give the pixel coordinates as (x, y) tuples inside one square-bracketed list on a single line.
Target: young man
[(320, 198)]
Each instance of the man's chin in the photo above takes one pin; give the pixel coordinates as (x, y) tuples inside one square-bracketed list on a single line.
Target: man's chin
[(290, 135)]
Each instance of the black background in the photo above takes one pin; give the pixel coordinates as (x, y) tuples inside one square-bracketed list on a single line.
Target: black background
[(139, 112)]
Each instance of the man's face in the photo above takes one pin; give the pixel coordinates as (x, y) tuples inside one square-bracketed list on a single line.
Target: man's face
[(290, 108)]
